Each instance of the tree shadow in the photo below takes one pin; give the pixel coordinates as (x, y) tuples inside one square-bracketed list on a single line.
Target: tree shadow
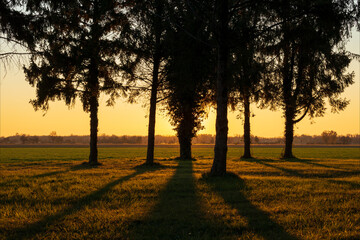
[(311, 162), (77, 167), (265, 162), (48, 174), (153, 166), (296, 173), (230, 187), (177, 214), (42, 225), (353, 185), (326, 175)]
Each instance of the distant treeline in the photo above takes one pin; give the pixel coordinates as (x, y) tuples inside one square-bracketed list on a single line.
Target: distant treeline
[(327, 137)]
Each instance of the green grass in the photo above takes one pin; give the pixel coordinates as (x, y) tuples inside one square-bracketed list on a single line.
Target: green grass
[(47, 193)]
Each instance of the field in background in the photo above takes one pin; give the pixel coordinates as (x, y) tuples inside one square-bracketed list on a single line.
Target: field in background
[(45, 193)]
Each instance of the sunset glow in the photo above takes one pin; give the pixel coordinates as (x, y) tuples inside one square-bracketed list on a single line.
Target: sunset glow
[(18, 116)]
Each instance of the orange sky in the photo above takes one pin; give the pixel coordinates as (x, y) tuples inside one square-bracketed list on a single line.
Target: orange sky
[(18, 116)]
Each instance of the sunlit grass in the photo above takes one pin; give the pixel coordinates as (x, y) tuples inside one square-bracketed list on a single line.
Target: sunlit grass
[(49, 194)]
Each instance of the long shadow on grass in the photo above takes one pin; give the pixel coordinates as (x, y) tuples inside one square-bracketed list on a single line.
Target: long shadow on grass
[(296, 173), (72, 169), (230, 188), (41, 226), (46, 174), (331, 174), (177, 214), (353, 185), (311, 162), (265, 162)]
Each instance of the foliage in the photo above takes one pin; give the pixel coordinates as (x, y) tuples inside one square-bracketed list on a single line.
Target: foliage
[(247, 64), (329, 137), (189, 70), (80, 41), (148, 43), (14, 24), (309, 56)]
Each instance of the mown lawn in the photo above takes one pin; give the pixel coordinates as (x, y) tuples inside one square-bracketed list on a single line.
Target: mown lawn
[(47, 193)]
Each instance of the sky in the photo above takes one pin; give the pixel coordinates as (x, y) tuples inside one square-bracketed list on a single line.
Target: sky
[(18, 116)]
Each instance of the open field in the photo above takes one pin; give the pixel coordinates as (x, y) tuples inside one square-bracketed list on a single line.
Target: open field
[(46, 193)]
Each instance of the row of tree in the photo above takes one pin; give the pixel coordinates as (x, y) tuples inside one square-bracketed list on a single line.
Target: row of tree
[(286, 54), (327, 137)]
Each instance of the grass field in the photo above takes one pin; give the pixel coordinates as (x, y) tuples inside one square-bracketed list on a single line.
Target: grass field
[(46, 193)]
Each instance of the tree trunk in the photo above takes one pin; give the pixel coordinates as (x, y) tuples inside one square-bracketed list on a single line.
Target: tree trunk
[(289, 100), (155, 83), (93, 158), (94, 89), (185, 148), (185, 132), (219, 163), (152, 115), (94, 105), (247, 140), (289, 132)]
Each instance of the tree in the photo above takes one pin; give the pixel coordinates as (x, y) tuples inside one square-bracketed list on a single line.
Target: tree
[(246, 65), (329, 137), (344, 139), (189, 72), (157, 55), (310, 60), (149, 46), (220, 17), (226, 13), (82, 55), (222, 47)]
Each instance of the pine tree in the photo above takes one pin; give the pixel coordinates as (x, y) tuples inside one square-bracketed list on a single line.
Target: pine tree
[(246, 64), (83, 55), (188, 90), (311, 59), (148, 45)]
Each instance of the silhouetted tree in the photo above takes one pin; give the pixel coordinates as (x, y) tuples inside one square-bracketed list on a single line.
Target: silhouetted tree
[(82, 55), (344, 139), (227, 13), (329, 137), (221, 33), (150, 19), (189, 71), (246, 64), (310, 59)]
